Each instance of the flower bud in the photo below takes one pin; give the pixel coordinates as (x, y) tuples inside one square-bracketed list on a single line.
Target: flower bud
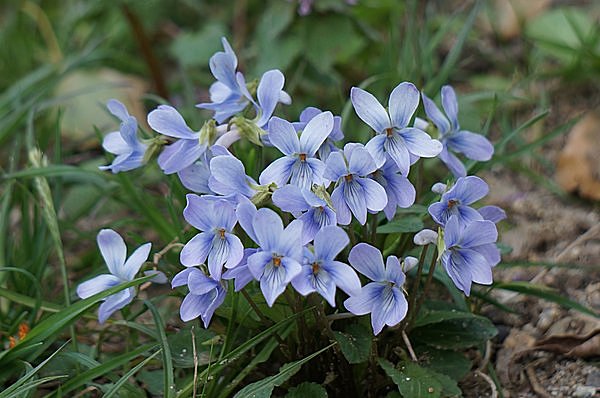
[(439, 188), (409, 263), (425, 237)]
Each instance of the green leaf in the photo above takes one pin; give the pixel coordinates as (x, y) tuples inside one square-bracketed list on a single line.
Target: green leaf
[(24, 383), (355, 342), (264, 387), (451, 363), (98, 371), (465, 332), (405, 224), (427, 316), (546, 293), (307, 389), (169, 384), (412, 380)]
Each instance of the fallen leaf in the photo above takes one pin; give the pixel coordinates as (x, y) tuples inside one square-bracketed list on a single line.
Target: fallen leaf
[(572, 345), (578, 168), (507, 17)]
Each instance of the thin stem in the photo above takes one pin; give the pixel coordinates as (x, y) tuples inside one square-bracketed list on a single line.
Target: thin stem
[(425, 289), (415, 287), (266, 321), (373, 226)]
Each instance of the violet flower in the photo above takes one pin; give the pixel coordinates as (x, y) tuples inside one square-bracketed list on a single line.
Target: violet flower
[(394, 137), (299, 165), (277, 261), (456, 201), (470, 252), (355, 193), (124, 143), (473, 146), (383, 298), (216, 219), (336, 134), (205, 296), (113, 250), (321, 273), (400, 192), (313, 211), (186, 150)]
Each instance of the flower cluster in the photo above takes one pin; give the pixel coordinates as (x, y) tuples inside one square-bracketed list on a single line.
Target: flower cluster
[(327, 192)]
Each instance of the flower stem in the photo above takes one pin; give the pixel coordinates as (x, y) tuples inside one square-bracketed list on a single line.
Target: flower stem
[(415, 287), (425, 290)]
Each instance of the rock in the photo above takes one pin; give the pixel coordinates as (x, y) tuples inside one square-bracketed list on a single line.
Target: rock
[(584, 392)]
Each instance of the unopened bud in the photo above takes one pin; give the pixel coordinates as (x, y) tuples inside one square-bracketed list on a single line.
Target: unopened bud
[(409, 263), (439, 188), (248, 129), (425, 237)]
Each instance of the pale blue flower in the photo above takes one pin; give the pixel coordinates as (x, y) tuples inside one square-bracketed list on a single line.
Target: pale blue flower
[(394, 138), (205, 296), (313, 211), (454, 139), (321, 273), (186, 150), (113, 250), (456, 201), (470, 252), (216, 219), (299, 165), (336, 134), (383, 298), (277, 261), (354, 193), (399, 190), (124, 143)]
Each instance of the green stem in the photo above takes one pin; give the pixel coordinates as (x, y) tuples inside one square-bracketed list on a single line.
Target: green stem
[(415, 287), (425, 290)]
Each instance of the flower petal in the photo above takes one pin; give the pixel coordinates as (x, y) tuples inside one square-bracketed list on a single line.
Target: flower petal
[(492, 213), (268, 94), (113, 250), (474, 146), (167, 121), (392, 309), (355, 198), (277, 172), (395, 147), (195, 177), (479, 233), (199, 283), (361, 162), (283, 136), (268, 228), (377, 149), (375, 196), (230, 172), (329, 242), (490, 252), (289, 198), (245, 213), (198, 213), (420, 143), (468, 190), (367, 260), (335, 167), (290, 241), (135, 261), (368, 108), (450, 105), (403, 103), (114, 303), (453, 163), (393, 271), (315, 133), (196, 250), (435, 115), (179, 155), (344, 277), (343, 214), (117, 109), (182, 277), (96, 285), (192, 306), (115, 144), (363, 302)]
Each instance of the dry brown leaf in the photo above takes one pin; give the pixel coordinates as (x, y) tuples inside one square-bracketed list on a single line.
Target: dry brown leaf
[(578, 168), (572, 345)]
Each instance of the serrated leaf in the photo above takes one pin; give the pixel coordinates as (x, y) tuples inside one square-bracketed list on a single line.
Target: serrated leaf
[(355, 342), (405, 224), (307, 389)]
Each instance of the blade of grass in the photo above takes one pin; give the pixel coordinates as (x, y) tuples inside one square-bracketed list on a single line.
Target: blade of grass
[(117, 386), (169, 384)]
